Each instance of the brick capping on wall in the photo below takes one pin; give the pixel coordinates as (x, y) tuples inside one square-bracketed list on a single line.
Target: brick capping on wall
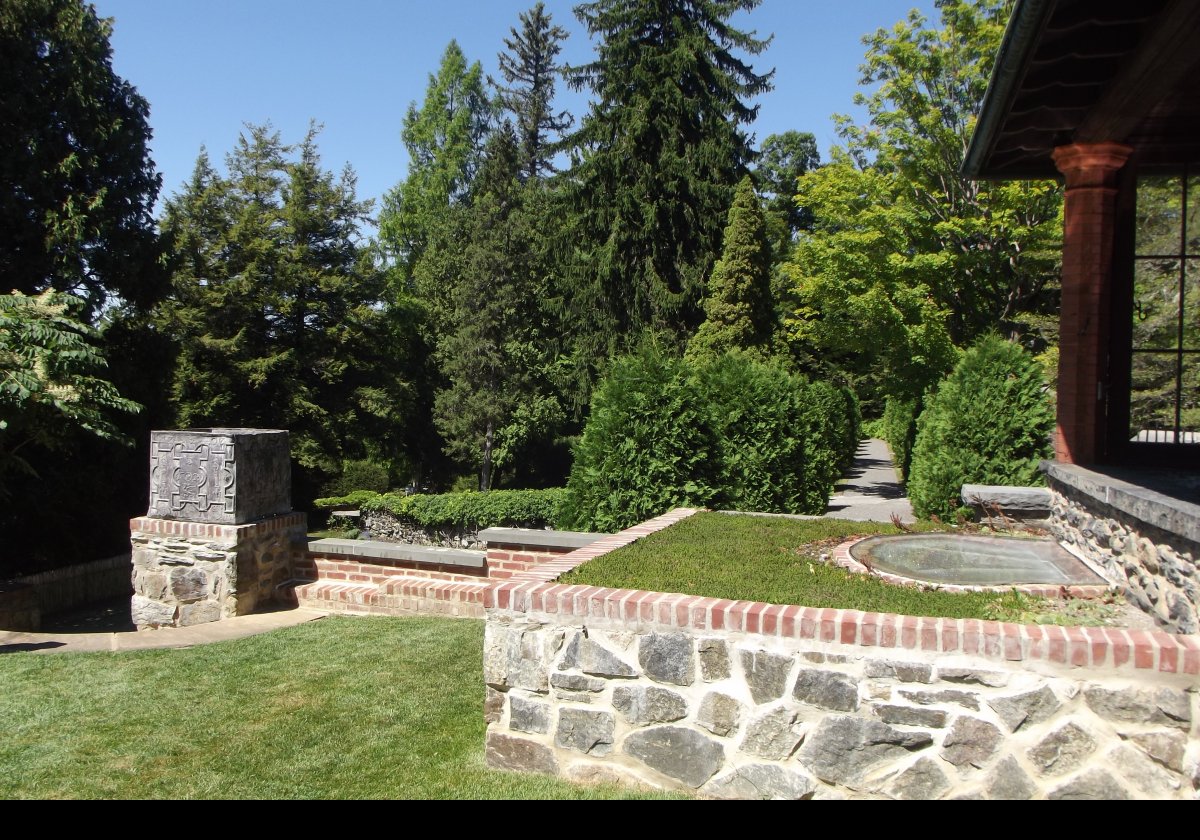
[(534, 592), (201, 530)]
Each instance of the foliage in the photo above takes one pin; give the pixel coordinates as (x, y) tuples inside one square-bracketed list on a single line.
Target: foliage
[(348, 500), (988, 422), (898, 427), (494, 509), (783, 158), (51, 377), (655, 162), (77, 184), (757, 558), (833, 431), (360, 476), (315, 712), (738, 310), (277, 312), (529, 66)]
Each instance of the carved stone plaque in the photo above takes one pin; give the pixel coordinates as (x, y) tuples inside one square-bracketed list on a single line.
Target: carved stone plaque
[(223, 476)]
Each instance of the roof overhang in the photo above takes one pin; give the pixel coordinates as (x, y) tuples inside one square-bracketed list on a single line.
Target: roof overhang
[(1090, 71)]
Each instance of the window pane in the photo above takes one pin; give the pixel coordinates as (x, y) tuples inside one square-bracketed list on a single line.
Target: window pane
[(1190, 400), (1152, 397), (1156, 304), (1159, 203), (1191, 306)]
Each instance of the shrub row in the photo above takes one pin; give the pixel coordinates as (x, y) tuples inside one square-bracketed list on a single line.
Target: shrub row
[(464, 511), (731, 433)]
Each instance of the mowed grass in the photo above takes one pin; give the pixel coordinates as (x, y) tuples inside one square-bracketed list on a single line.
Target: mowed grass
[(757, 558), (339, 708)]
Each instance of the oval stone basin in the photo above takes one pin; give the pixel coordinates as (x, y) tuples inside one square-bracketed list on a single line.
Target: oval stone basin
[(969, 560)]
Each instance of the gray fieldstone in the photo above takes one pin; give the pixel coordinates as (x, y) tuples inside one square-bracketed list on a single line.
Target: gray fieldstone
[(153, 585), (595, 659), (202, 613), (1090, 785), (576, 682), (970, 741), (667, 658), (1147, 776), (1166, 706), (762, 781), (766, 674), (1008, 781), (642, 704), (585, 731), (188, 585), (772, 735), (1063, 750), (676, 752), (528, 715), (1164, 746), (841, 749), (912, 672), (719, 713), (514, 657), (147, 613), (507, 753), (827, 690), (1026, 500), (992, 679), (714, 659), (966, 699), (924, 779), (1030, 707), (911, 716), (493, 704)]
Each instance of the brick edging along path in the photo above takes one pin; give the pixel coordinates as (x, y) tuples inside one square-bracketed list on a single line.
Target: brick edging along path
[(534, 592)]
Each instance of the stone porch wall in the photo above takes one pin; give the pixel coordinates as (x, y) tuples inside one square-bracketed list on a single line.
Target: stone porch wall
[(742, 699), (187, 573)]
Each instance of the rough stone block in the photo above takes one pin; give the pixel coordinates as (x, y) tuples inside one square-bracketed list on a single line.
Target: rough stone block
[(148, 613), (773, 735), (914, 672), (970, 741), (505, 752), (766, 674), (593, 658), (528, 715), (762, 781), (493, 704), (576, 682), (714, 659), (840, 749), (966, 699), (667, 658), (993, 679), (1062, 751), (223, 476), (1091, 785), (922, 780), (678, 753), (1030, 707), (719, 713), (1147, 776), (1023, 500), (826, 690), (648, 704), (1008, 781), (1165, 706), (1164, 746), (911, 716), (513, 657), (188, 585), (585, 731), (201, 613)]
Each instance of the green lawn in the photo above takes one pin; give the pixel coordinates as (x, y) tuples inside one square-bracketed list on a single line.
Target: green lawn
[(776, 560), (339, 708)]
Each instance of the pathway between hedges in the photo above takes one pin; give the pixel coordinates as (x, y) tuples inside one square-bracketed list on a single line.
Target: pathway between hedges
[(870, 490)]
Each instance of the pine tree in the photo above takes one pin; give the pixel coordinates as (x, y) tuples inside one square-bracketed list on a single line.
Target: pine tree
[(656, 161), (738, 309), (530, 69)]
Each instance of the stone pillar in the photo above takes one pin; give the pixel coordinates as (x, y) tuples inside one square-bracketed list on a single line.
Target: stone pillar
[(1089, 233), (219, 536)]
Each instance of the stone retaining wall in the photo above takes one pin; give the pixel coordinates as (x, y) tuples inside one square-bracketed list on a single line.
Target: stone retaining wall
[(742, 699), (58, 590), (187, 573)]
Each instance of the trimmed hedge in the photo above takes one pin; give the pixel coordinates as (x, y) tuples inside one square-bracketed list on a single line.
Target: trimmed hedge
[(989, 422), (465, 511), (898, 427)]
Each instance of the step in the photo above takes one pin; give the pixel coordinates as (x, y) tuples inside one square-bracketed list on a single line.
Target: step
[(388, 552), (395, 597)]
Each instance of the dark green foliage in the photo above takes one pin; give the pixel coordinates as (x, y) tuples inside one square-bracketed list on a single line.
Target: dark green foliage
[(346, 501), (739, 313), (899, 429), (468, 511), (655, 163), (358, 476), (833, 430), (530, 68), (77, 184), (782, 160), (649, 445), (989, 422)]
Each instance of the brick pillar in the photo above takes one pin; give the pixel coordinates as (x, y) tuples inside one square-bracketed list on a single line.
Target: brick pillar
[(1087, 281)]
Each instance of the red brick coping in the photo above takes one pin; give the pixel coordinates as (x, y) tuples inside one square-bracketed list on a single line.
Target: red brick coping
[(206, 531), (842, 557), (534, 592)]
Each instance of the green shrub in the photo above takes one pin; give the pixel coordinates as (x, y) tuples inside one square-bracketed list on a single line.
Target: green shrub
[(832, 440), (989, 422), (472, 510), (349, 501), (648, 446), (358, 475), (898, 427)]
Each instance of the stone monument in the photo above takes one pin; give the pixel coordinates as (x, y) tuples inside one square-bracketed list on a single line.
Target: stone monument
[(220, 533)]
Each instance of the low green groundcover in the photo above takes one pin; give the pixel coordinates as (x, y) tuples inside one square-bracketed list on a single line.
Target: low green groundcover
[(777, 560), (339, 708)]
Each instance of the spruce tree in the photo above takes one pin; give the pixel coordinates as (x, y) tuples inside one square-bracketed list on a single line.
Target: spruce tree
[(656, 160), (738, 309), (529, 68)]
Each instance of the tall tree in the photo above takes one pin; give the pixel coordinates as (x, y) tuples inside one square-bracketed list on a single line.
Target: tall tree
[(76, 181), (277, 312), (530, 69), (738, 310), (656, 160), (783, 158)]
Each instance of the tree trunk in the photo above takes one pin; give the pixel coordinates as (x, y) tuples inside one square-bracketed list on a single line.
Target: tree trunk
[(485, 474)]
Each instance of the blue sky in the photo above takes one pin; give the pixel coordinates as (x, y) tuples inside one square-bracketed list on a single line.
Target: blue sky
[(208, 66)]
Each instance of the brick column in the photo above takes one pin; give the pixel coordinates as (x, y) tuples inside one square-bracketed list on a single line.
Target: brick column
[(1087, 271)]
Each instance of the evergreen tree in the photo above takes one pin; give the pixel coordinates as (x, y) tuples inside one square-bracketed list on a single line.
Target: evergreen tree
[(529, 68), (782, 160), (656, 161), (276, 310), (76, 180), (739, 313)]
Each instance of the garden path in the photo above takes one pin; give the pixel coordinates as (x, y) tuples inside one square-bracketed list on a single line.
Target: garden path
[(870, 491)]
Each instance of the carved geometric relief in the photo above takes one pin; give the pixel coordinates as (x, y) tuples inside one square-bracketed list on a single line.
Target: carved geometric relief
[(197, 477)]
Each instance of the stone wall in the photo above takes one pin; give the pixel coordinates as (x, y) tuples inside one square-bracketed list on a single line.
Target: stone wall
[(188, 573), (381, 524), (63, 589), (1138, 538)]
